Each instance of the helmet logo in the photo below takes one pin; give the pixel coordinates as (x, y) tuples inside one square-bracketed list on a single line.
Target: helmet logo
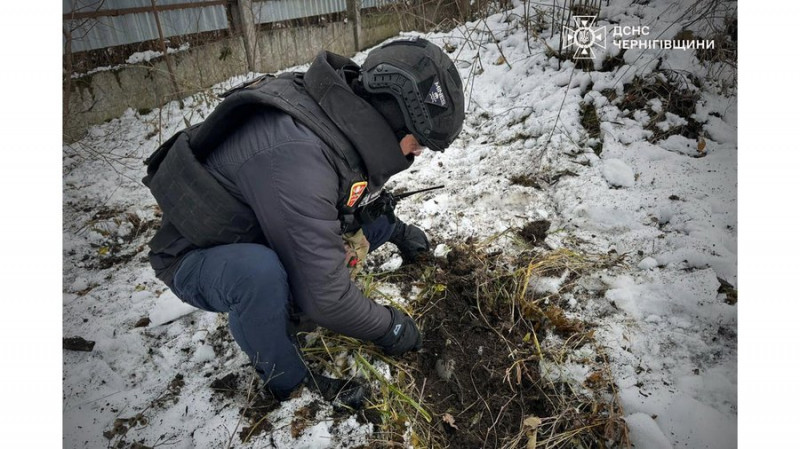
[(436, 95), (356, 190)]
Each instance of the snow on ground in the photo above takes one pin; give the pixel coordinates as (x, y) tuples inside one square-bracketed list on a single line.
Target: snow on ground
[(670, 336), (136, 58)]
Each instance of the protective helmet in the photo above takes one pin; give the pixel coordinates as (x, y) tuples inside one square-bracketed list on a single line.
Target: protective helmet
[(417, 88)]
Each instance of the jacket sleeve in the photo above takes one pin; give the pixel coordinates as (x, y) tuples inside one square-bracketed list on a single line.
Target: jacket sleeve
[(293, 193)]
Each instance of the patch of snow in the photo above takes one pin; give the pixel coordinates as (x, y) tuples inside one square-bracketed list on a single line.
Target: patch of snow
[(79, 284), (441, 250), (646, 433), (648, 263), (392, 264), (169, 308), (545, 284), (618, 173), (694, 424), (204, 353)]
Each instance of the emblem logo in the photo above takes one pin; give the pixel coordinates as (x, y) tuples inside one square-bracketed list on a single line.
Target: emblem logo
[(436, 95), (584, 37), (356, 190)]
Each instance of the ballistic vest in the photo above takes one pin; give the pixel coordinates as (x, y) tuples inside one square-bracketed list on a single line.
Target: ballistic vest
[(198, 208)]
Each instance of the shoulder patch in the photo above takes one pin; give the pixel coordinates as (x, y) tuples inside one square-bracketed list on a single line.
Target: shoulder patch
[(436, 95), (356, 190)]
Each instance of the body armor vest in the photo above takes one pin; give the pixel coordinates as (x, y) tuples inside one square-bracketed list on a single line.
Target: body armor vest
[(197, 207)]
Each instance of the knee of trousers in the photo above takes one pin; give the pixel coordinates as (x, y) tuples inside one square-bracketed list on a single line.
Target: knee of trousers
[(260, 277)]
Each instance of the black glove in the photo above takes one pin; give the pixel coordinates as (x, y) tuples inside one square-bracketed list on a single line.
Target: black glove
[(403, 335), (383, 205), (410, 240)]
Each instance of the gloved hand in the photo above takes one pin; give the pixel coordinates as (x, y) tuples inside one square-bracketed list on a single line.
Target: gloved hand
[(402, 336), (356, 248), (383, 205), (410, 240)]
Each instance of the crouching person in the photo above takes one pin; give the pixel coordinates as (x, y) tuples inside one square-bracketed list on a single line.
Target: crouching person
[(257, 198)]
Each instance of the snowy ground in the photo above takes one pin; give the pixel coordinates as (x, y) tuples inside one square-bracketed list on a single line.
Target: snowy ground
[(669, 208)]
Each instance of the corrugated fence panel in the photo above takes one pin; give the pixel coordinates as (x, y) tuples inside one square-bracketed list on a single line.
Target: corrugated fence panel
[(269, 11), (196, 20), (129, 28), (110, 31), (377, 3)]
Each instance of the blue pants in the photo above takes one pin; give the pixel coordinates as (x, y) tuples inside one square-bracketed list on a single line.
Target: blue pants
[(248, 282)]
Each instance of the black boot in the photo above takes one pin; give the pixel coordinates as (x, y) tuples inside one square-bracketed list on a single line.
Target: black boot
[(340, 392)]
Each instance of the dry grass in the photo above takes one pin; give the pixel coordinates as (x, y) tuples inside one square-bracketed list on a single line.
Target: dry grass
[(530, 331)]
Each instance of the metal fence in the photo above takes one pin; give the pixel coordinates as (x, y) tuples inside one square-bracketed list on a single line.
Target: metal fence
[(269, 11), (94, 24)]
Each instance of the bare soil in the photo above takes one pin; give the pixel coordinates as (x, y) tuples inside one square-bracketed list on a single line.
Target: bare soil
[(479, 369), (477, 395)]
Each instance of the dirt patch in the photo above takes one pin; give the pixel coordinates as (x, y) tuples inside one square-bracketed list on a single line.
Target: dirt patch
[(479, 372), (303, 417), (535, 232), (142, 322), (226, 385), (256, 413), (591, 123), (541, 180), (474, 402), (525, 181), (238, 388)]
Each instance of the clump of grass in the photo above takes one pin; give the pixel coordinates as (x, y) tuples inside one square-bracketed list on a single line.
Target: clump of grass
[(678, 94), (395, 392)]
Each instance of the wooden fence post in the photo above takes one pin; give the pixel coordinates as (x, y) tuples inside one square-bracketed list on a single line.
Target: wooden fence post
[(354, 16), (167, 58), (248, 26)]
